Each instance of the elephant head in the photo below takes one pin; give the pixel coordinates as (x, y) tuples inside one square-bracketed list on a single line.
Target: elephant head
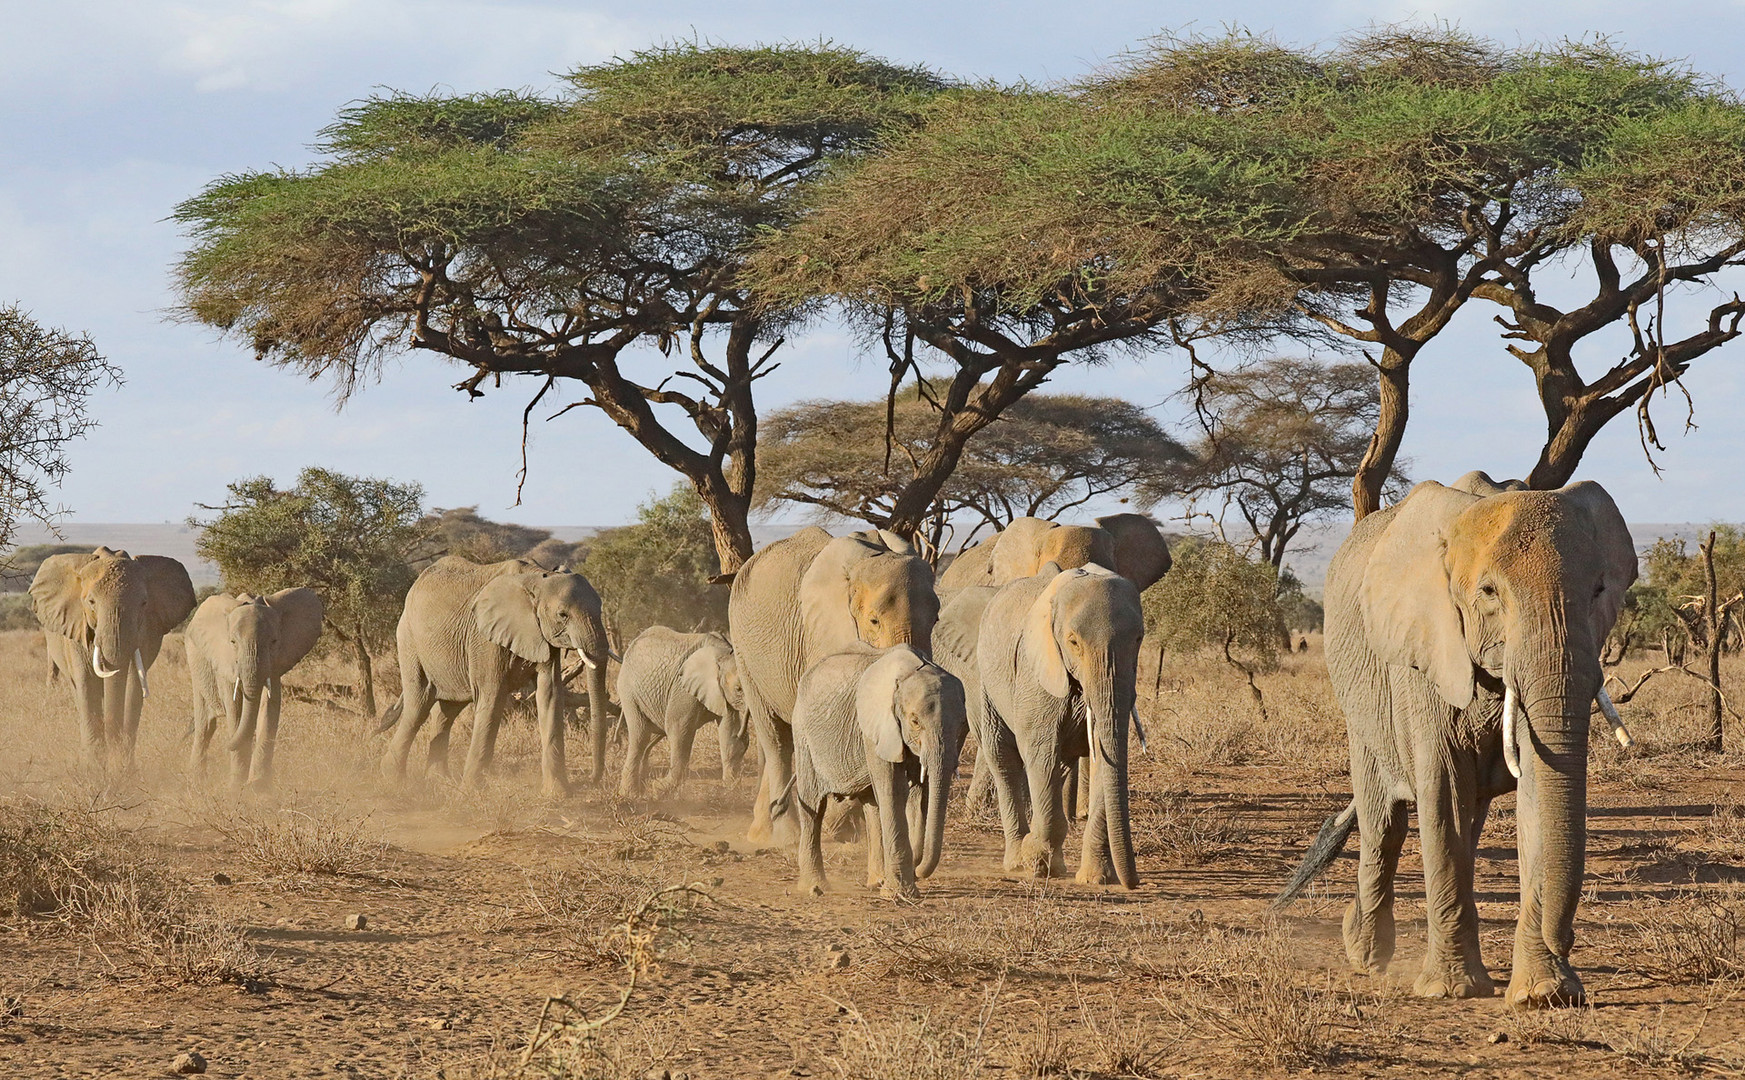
[(1514, 591), (711, 675), (269, 635), (1141, 553), (536, 614), (1081, 637), (908, 707), (857, 589), (115, 607)]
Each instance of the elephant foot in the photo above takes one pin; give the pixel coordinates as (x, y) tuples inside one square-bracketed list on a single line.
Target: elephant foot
[(1369, 942), (758, 832), (1037, 860), (1098, 872), (1014, 858), (902, 894), (394, 768), (1550, 984), (1453, 980), (554, 790), (811, 888)]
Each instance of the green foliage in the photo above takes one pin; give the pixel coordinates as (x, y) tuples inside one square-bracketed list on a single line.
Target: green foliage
[(656, 572), (46, 376), (19, 566), (1047, 454), (1300, 611), (1216, 598), (351, 539), (1672, 576), (16, 612)]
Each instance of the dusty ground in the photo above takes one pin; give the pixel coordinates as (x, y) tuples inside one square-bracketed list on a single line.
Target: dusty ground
[(480, 905)]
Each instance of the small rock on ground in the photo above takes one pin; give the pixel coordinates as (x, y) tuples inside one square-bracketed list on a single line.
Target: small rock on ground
[(356, 922), (188, 1063)]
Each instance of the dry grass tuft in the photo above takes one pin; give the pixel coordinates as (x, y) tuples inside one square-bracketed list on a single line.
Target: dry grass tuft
[(1238, 987), (1167, 826), (1120, 1045), (921, 1046), (73, 870), (293, 843), (1689, 940)]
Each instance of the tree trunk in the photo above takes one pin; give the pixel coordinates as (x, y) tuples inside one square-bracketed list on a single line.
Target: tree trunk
[(366, 675), (1717, 620), (1392, 377), (729, 521)]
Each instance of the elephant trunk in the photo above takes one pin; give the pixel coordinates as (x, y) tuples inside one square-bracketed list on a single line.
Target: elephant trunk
[(248, 716), (1110, 704), (1553, 744), (936, 788)]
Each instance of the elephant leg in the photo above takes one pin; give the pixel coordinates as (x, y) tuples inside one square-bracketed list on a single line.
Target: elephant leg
[(489, 701), (981, 780), (260, 773), (1008, 770), (1080, 804), (554, 780), (636, 742), (1453, 966), (776, 740), (416, 698), (88, 690), (680, 744), (1381, 829), (436, 756), (1041, 855), (891, 796), (875, 845), (1069, 788), (809, 811)]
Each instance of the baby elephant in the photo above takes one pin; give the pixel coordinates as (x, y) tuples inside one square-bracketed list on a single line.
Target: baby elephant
[(867, 722), (669, 685), (238, 648)]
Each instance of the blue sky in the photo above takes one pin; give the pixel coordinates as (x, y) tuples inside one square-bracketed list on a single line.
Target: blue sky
[(114, 111)]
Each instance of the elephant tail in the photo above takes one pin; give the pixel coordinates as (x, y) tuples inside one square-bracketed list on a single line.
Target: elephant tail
[(390, 717), (783, 802), (1329, 842)]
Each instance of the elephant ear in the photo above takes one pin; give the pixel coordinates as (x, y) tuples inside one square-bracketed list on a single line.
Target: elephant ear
[(700, 675), (875, 701), (825, 602), (888, 540), (503, 611), (58, 596), (1038, 644), (1141, 553), (170, 595), (1616, 549), (972, 566), (1479, 482), (1408, 609), (300, 612)]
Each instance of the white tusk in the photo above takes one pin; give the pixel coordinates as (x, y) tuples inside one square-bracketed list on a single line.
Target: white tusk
[(1139, 730), (1625, 739), (1511, 753), (139, 664), (614, 656), (585, 660), (97, 665), (236, 694)]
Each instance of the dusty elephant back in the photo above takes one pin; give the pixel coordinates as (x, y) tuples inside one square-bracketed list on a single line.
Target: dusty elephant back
[(764, 618), (824, 721), (650, 668)]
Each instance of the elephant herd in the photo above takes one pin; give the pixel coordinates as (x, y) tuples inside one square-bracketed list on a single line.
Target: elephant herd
[(1463, 628)]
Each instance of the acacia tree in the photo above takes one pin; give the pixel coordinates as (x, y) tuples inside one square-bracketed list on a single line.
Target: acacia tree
[(1281, 441), (352, 539), (545, 237), (1046, 455), (1015, 231), (46, 377), (1426, 168), (1215, 597)]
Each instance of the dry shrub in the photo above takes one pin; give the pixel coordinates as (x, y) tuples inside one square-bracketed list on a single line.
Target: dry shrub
[(920, 1046), (1120, 1045), (92, 879), (1651, 1042), (1237, 986), (294, 843), (1168, 827), (1693, 939), (1722, 833), (1553, 1027)]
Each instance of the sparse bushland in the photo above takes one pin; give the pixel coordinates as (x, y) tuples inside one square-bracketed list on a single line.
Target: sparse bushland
[(290, 844)]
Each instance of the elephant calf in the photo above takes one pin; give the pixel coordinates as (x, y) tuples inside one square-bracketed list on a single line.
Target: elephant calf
[(866, 722), (238, 648), (669, 685)]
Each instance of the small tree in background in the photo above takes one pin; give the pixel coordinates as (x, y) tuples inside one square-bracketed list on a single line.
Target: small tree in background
[(1282, 440), (46, 376), (656, 572), (463, 532), (1046, 455), (1214, 597), (351, 539)]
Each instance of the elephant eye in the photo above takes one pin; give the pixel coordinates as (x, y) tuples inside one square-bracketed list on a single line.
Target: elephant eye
[(1487, 590)]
